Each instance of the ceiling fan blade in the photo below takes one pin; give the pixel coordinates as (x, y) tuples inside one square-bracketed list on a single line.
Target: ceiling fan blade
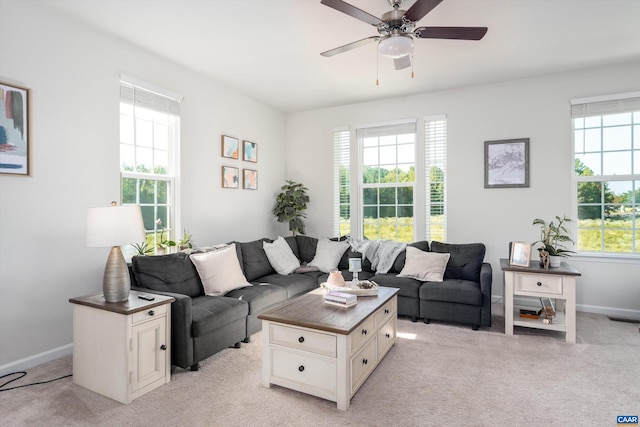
[(420, 8), (402, 62), (454, 33), (350, 46), (353, 11)]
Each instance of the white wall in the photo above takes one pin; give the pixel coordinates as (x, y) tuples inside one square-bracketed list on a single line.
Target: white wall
[(536, 108), (73, 73)]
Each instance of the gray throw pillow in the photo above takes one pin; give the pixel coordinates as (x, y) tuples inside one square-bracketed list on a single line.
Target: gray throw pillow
[(465, 262)]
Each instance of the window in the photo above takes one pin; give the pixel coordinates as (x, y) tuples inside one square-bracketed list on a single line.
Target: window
[(341, 182), (387, 181), (149, 136), (606, 134), (435, 140)]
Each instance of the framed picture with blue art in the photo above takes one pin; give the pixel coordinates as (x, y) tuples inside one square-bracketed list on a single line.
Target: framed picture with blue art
[(230, 147), (250, 152), (14, 130), (230, 177)]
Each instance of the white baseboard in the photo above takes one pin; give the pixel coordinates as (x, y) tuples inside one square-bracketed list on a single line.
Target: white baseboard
[(36, 359), (607, 311)]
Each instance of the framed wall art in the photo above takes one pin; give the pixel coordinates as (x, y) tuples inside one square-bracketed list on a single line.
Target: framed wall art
[(230, 147), (15, 149), (250, 151), (520, 255), (250, 181), (230, 177), (506, 163)]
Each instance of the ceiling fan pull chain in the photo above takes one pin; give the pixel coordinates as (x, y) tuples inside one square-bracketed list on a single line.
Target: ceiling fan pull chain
[(377, 68), (411, 64)]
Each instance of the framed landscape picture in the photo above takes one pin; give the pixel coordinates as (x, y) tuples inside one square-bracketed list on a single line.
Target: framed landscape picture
[(250, 179), (14, 130), (230, 177), (230, 147), (250, 151), (506, 163)]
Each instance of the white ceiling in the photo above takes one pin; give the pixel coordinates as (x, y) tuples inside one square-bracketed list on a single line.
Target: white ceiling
[(270, 49)]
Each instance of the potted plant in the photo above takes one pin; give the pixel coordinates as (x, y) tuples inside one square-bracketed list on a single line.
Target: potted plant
[(291, 204), (163, 244), (553, 238), (185, 243), (142, 249)]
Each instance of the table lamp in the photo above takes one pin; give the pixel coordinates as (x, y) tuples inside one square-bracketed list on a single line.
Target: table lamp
[(113, 227)]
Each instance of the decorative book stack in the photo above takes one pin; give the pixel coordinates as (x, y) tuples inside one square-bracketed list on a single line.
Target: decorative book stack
[(340, 299)]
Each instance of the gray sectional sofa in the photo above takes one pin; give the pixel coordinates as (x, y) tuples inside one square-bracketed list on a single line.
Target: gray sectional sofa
[(203, 325)]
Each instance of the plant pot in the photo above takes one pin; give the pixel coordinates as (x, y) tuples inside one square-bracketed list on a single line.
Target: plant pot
[(554, 261)]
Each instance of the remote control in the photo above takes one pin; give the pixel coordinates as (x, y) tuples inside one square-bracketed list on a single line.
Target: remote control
[(146, 297)]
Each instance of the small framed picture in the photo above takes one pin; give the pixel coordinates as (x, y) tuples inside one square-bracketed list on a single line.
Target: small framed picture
[(506, 163), (520, 254), (250, 181), (230, 177), (230, 147), (250, 151), (15, 150)]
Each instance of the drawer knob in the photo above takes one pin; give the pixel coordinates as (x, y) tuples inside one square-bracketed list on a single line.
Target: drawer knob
[(539, 283), (163, 347), (151, 312), (365, 361), (364, 332), (301, 368), (388, 335), (301, 340), (386, 311)]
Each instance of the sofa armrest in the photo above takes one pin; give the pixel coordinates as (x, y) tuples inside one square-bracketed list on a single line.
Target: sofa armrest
[(486, 279), (181, 319)]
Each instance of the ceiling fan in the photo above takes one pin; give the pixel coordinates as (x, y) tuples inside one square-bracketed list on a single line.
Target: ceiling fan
[(396, 29)]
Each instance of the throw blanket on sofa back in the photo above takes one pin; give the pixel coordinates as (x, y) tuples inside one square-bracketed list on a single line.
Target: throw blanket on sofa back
[(381, 253)]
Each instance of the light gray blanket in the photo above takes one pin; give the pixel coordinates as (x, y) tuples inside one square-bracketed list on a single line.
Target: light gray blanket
[(381, 253)]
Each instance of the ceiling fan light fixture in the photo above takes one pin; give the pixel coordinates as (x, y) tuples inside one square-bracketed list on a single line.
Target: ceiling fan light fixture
[(396, 45)]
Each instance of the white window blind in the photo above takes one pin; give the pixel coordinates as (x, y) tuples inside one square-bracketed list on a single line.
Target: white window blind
[(341, 182), (435, 137)]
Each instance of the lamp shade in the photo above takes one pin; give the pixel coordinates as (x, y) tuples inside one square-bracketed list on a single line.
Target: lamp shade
[(114, 226), (396, 46)]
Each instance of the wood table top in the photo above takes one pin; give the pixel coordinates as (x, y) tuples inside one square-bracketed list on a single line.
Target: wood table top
[(309, 311), (131, 305), (564, 269)]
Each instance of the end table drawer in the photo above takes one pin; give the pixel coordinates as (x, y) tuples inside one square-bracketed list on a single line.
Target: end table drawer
[(303, 339), (149, 314), (545, 283)]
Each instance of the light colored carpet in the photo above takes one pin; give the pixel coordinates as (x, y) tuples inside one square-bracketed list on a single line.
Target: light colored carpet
[(436, 375)]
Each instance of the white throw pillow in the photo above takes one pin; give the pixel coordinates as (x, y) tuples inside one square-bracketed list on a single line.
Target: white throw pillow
[(425, 266), (328, 254), (219, 270), (281, 256)]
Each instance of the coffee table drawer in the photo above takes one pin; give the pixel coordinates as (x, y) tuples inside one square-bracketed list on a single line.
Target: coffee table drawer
[(545, 283), (386, 312), (362, 364), (365, 330), (386, 337), (303, 339), (304, 372)]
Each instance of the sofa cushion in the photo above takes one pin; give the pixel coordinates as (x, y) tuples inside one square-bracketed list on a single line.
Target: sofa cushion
[(255, 263), (219, 271), (260, 296), (293, 244), (424, 266), (409, 287), (167, 273), (328, 254), (398, 264), (452, 291), (294, 284), (465, 262), (281, 256), (212, 313), (306, 247)]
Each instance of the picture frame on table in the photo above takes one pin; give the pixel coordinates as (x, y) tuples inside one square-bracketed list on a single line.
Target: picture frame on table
[(15, 125), (506, 163), (250, 151), (230, 147), (230, 177), (250, 179), (520, 255)]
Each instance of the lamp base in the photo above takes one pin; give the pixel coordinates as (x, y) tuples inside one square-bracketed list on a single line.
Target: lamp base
[(116, 283)]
